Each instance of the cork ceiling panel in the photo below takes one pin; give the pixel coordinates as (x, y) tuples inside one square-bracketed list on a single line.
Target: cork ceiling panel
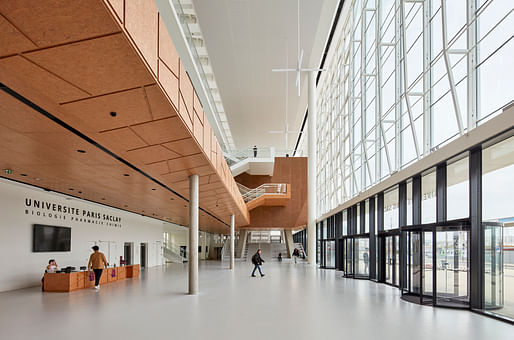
[(81, 77), (161, 131), (94, 114), (142, 25), (159, 105), (12, 40), (167, 52), (121, 139), (63, 22), (103, 65), (184, 147), (48, 158), (170, 83), (152, 154), (43, 81)]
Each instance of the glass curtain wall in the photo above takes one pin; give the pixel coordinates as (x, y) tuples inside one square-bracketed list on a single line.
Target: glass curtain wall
[(404, 78), (498, 212)]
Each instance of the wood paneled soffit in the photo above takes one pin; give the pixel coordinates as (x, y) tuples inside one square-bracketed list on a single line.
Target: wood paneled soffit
[(110, 70)]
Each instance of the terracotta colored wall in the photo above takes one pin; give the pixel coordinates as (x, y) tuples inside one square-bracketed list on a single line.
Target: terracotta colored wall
[(292, 170)]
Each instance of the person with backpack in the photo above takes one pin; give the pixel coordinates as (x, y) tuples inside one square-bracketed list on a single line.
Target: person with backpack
[(257, 262)]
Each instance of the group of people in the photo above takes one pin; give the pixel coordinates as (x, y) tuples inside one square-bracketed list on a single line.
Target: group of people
[(97, 262)]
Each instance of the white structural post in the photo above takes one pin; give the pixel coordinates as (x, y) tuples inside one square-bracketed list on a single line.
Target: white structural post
[(232, 235), (311, 172), (193, 234)]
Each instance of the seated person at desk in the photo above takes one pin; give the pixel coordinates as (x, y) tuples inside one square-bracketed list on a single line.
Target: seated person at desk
[(98, 262), (51, 268)]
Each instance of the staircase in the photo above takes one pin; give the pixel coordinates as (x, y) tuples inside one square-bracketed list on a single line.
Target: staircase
[(171, 253), (299, 246), (269, 194), (277, 248)]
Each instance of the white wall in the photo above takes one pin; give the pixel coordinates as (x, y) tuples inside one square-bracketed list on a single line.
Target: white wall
[(23, 268)]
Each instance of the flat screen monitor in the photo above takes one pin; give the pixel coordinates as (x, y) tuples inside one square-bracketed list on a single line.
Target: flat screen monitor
[(51, 239)]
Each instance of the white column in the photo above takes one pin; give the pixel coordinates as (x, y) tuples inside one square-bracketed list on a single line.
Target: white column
[(193, 234), (232, 235), (311, 172)]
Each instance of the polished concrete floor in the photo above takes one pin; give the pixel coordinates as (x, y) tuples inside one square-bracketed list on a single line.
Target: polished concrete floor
[(290, 302)]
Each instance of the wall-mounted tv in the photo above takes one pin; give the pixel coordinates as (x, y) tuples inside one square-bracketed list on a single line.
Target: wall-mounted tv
[(49, 238)]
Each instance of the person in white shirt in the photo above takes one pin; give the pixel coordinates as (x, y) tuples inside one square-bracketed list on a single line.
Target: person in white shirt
[(52, 266)]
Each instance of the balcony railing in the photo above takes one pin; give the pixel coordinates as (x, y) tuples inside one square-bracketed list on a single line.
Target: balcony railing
[(269, 188)]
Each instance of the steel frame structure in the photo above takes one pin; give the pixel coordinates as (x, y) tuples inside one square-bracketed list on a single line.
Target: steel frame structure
[(402, 80)]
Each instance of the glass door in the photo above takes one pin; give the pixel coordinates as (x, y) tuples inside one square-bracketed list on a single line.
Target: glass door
[(330, 254), (362, 257), (452, 265), (493, 266), (348, 257)]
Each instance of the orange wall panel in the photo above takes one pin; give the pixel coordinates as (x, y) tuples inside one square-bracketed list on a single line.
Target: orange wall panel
[(167, 52), (170, 83), (141, 21), (119, 8)]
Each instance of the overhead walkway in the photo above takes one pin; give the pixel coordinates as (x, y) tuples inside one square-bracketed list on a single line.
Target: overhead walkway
[(261, 162)]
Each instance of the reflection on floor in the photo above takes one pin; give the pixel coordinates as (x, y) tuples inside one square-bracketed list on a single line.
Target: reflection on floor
[(290, 302)]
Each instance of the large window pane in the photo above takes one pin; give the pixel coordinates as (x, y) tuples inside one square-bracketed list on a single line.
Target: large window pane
[(457, 190), (498, 208), (428, 202), (391, 212)]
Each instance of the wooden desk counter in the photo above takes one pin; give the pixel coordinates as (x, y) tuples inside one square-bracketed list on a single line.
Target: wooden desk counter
[(68, 282)]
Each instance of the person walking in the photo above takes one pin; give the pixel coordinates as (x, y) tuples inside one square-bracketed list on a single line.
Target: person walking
[(255, 151), (296, 253), (257, 262), (97, 262)]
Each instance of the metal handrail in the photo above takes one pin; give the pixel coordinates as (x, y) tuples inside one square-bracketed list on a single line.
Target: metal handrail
[(268, 188), (172, 247)]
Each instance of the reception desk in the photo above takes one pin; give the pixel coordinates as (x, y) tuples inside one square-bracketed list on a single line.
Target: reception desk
[(68, 282)]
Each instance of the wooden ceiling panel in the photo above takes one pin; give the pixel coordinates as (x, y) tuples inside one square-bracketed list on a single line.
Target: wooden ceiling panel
[(159, 105), (184, 147), (142, 25), (130, 106), (176, 176), (102, 65), (186, 88), (53, 22), (167, 52), (30, 121), (184, 114), (161, 131), (170, 83), (187, 162), (154, 124), (119, 8), (121, 139), (43, 81), (159, 168), (12, 40), (151, 154)]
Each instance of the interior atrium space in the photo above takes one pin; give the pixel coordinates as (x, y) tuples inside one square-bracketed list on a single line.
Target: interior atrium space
[(233, 169)]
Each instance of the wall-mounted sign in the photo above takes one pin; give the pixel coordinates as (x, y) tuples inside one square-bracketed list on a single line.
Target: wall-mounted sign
[(68, 213)]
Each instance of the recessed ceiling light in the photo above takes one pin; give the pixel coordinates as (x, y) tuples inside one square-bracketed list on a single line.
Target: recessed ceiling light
[(81, 151), (172, 199), (126, 205), (24, 175), (8, 171), (126, 175), (71, 189), (37, 179), (113, 113), (80, 192), (103, 198), (153, 189)]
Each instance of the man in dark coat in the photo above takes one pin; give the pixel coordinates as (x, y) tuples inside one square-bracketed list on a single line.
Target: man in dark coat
[(257, 262)]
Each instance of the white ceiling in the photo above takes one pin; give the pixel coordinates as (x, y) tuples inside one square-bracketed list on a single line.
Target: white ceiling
[(245, 39)]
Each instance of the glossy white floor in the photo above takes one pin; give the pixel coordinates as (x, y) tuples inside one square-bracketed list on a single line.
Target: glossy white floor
[(290, 302)]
